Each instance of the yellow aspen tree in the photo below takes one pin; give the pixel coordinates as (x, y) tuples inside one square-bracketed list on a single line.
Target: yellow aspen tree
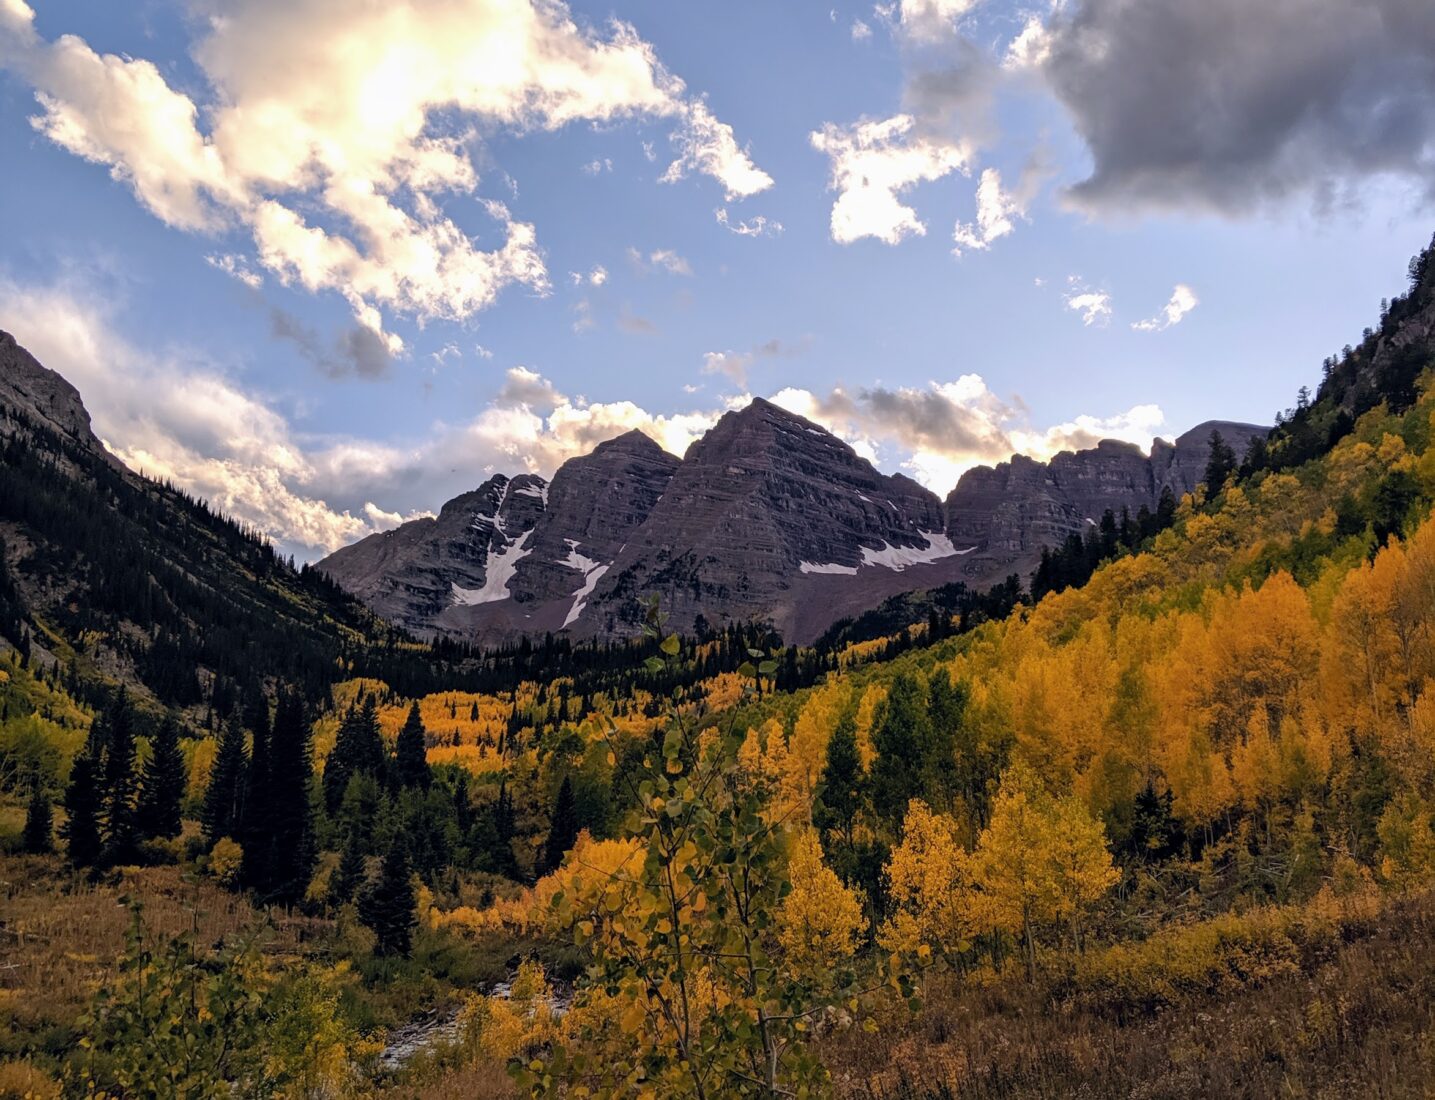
[(928, 879), (822, 921), (1083, 862)]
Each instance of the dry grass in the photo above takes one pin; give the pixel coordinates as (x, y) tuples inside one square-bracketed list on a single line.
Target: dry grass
[(60, 934), (481, 1082), (1353, 1016)]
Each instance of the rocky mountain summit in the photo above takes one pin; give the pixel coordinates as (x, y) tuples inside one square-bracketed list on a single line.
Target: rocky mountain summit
[(1011, 510), (768, 516)]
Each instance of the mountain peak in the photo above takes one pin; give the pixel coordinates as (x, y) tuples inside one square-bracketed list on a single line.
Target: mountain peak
[(42, 395)]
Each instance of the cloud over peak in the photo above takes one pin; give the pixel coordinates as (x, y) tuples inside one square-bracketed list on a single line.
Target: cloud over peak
[(333, 133)]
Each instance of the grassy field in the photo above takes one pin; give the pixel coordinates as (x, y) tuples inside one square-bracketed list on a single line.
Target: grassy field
[(1308, 1008)]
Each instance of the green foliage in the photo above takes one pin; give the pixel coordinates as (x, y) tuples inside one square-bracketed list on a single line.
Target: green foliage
[(411, 766), (387, 907), (224, 797), (162, 784), (563, 830), (173, 1023), (81, 829), (37, 837), (358, 750)]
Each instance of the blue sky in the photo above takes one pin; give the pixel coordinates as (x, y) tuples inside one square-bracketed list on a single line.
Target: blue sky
[(218, 221)]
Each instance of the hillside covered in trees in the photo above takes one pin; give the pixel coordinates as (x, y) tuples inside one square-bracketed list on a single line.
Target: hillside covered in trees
[(999, 844)]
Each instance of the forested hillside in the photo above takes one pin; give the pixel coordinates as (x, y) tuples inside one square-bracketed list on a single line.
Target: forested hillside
[(1001, 844)]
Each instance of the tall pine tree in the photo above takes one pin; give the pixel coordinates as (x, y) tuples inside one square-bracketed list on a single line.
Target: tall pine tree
[(120, 824), (162, 784), (81, 829), (37, 839), (256, 872), (292, 849), (411, 765), (348, 876), (224, 797), (387, 907), (842, 790), (901, 737), (358, 750), (563, 830)]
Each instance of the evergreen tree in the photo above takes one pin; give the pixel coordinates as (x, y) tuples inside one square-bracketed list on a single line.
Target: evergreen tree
[(387, 907), (291, 816), (358, 750), (224, 798), (120, 824), (1219, 465), (348, 877), (563, 830), (81, 829), (162, 784), (843, 784), (902, 732), (946, 710), (254, 823), (411, 766), (37, 838), (1165, 509)]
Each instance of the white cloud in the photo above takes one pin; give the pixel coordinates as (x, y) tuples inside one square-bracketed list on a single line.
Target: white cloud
[(597, 166), (931, 20), (334, 133), (861, 32), (708, 146), (938, 432), (192, 425), (736, 364), (660, 259), (235, 267), (996, 211), (1093, 305), (873, 163), (1183, 300), (756, 226), (1030, 49)]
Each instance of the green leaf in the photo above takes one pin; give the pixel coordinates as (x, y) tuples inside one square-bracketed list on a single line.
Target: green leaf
[(671, 645)]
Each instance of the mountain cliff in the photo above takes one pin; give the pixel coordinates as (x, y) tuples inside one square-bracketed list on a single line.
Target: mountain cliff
[(768, 517)]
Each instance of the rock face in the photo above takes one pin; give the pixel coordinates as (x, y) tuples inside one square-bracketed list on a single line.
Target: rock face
[(1010, 511), (767, 517), (412, 574), (43, 396), (764, 501)]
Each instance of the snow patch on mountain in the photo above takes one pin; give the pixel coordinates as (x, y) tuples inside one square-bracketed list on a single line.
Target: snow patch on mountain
[(501, 567), (898, 558)]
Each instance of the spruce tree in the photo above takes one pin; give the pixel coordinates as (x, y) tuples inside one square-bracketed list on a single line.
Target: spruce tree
[(902, 734), (224, 798), (254, 826), (387, 907), (292, 852), (37, 838), (162, 784), (348, 876), (563, 831), (1219, 466), (411, 766), (843, 783), (358, 750), (120, 824), (81, 829)]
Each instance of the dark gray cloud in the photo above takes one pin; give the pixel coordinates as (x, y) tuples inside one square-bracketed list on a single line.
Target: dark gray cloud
[(1229, 105), (357, 351)]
